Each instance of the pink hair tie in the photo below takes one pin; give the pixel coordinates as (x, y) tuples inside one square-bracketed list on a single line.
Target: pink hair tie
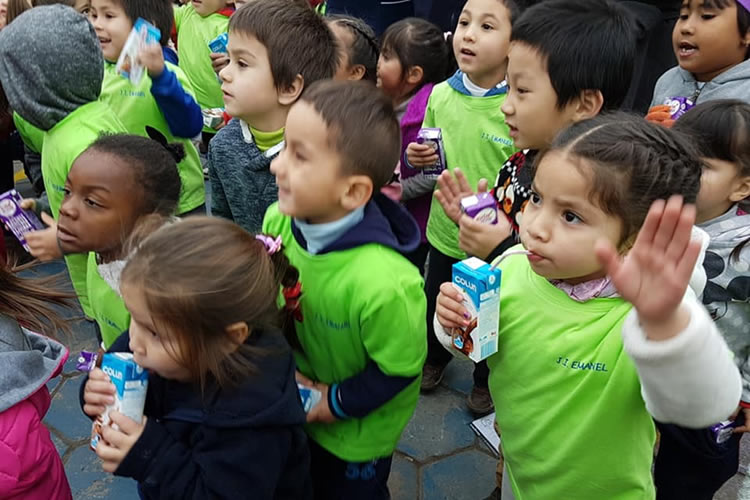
[(272, 245)]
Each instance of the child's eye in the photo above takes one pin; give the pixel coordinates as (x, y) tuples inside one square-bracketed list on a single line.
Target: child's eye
[(463, 22), (521, 90), (242, 64), (299, 156), (707, 17), (572, 218), (535, 199), (487, 27), (66, 192), (91, 202)]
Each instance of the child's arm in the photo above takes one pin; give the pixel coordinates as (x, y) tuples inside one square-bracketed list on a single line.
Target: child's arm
[(219, 202), (685, 367), (182, 113), (417, 185)]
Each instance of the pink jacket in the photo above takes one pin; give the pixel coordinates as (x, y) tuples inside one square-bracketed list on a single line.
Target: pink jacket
[(30, 467)]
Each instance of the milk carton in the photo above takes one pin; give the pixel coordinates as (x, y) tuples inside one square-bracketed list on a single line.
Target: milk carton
[(433, 137), (17, 220), (480, 285), (131, 383), (142, 34), (219, 44), (309, 397), (481, 207)]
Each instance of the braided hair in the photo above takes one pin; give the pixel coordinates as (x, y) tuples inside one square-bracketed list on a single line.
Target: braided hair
[(633, 164), (364, 48)]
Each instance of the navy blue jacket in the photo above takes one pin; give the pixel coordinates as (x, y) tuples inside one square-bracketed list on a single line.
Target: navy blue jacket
[(229, 444)]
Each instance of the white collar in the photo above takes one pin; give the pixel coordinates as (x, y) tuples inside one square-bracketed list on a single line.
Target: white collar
[(247, 136)]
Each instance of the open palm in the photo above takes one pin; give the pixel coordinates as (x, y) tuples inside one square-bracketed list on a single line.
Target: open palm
[(655, 273)]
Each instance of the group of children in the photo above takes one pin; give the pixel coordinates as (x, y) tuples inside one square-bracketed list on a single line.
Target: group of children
[(629, 306)]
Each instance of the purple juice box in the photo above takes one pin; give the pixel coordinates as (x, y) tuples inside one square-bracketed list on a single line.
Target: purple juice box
[(723, 430), (433, 137), (16, 219), (480, 207), (678, 106)]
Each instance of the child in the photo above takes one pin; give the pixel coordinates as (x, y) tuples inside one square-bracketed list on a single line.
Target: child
[(18, 7), (358, 48), (711, 41), (102, 207), (361, 346), (549, 76), (197, 24), (31, 466), (223, 417), (691, 464), (467, 109), (57, 91), (276, 49), (162, 100), (414, 58), (564, 391)]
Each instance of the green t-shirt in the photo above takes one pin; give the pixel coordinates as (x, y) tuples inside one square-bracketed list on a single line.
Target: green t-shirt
[(476, 140), (31, 136), (137, 108), (193, 35), (567, 396), (63, 143), (108, 307), (346, 325)]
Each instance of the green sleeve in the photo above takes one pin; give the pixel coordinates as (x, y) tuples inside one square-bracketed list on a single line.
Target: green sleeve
[(179, 14), (394, 331)]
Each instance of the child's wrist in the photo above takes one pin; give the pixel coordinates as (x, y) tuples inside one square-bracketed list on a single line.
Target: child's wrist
[(667, 327)]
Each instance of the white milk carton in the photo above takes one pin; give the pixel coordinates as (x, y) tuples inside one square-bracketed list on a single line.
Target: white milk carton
[(480, 284), (131, 383)]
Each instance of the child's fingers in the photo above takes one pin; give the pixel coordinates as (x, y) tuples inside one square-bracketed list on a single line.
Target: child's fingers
[(450, 290), (301, 379), (98, 374), (482, 186), (98, 398), (682, 233), (48, 219), (650, 224), (607, 256), (28, 204), (450, 319), (667, 225), (463, 182), (93, 410)]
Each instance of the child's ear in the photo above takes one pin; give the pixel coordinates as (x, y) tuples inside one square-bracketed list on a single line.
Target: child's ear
[(414, 75), (589, 104), (289, 95), (358, 192), (741, 189), (356, 72), (238, 333)]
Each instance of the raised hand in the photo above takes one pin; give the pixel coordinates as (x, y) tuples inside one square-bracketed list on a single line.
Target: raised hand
[(654, 275), (451, 190)]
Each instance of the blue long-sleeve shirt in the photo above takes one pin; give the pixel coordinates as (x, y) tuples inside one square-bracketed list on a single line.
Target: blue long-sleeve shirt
[(180, 109)]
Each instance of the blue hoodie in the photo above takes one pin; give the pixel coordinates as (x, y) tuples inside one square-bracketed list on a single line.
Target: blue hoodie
[(241, 443)]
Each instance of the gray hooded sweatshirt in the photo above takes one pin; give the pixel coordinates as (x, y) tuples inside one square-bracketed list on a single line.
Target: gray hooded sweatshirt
[(28, 360), (727, 291), (50, 64), (732, 84)]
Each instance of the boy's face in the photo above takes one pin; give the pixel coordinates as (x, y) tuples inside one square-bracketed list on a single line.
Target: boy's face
[(481, 41), (247, 82), (112, 27), (207, 7), (706, 40), (530, 108), (308, 169)]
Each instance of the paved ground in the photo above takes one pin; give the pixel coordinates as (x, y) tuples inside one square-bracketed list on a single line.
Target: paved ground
[(439, 457)]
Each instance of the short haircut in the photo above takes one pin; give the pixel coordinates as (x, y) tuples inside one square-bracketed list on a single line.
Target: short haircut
[(297, 39), (587, 44), (632, 163), (362, 125), (160, 13)]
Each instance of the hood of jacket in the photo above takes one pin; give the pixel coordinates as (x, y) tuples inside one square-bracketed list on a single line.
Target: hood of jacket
[(28, 361), (385, 222), (50, 64)]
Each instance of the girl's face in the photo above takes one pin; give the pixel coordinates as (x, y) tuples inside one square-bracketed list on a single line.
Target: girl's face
[(112, 27), (561, 224), (722, 186), (154, 350), (481, 41), (83, 6), (99, 210), (390, 75), (706, 39)]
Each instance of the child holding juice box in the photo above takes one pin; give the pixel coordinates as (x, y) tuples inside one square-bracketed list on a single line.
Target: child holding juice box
[(222, 413)]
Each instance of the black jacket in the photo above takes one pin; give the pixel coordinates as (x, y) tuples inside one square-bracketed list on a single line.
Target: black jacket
[(245, 443)]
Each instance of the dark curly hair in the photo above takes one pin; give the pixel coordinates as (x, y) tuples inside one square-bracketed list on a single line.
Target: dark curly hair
[(633, 164)]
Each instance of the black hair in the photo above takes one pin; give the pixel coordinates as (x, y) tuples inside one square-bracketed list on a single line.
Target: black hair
[(160, 13), (154, 167), (633, 163), (587, 45), (364, 47), (416, 42), (362, 127), (297, 39)]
